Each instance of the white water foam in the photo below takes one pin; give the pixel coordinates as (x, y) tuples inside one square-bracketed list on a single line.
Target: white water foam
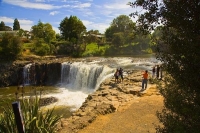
[(72, 99)]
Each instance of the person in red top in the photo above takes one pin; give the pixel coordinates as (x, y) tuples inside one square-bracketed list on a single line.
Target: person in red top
[(144, 80)]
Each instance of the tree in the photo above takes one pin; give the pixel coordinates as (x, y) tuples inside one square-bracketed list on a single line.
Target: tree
[(178, 49), (16, 25), (72, 28), (2, 26), (10, 47), (121, 24), (118, 39), (45, 32)]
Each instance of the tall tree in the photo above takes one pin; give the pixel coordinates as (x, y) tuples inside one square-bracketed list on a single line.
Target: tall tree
[(178, 49), (121, 24), (10, 47), (72, 28), (43, 31), (16, 25), (2, 26)]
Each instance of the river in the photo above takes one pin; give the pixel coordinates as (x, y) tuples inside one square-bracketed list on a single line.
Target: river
[(78, 79)]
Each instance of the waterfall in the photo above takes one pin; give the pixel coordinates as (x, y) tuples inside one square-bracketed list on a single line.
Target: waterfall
[(26, 74), (83, 76)]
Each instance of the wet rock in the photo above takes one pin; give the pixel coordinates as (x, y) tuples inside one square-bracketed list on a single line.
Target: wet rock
[(47, 101)]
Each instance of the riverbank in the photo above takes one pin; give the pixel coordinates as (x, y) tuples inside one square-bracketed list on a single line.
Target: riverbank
[(117, 108)]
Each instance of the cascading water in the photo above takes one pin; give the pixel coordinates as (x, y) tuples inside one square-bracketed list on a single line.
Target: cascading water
[(78, 79), (83, 76), (26, 74)]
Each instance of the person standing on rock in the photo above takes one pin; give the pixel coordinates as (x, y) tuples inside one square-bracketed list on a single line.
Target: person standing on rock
[(153, 71), (144, 80), (116, 76), (121, 75), (157, 71)]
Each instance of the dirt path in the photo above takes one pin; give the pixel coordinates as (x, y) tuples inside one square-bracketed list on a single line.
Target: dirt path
[(139, 117)]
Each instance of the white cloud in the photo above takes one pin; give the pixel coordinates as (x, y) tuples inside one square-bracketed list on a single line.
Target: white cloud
[(53, 13), (6, 19), (44, 6), (39, 0), (26, 27), (81, 5), (27, 4)]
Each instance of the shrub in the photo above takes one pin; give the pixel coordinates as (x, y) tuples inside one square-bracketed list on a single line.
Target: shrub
[(10, 46), (34, 119), (41, 48)]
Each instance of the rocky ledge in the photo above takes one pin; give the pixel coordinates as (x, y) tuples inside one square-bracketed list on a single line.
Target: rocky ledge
[(110, 97)]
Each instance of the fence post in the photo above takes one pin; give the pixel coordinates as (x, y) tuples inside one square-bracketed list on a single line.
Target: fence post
[(18, 117)]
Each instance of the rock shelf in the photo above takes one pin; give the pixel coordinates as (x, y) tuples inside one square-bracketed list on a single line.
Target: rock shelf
[(110, 97)]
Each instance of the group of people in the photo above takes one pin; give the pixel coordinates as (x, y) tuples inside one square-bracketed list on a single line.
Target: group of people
[(119, 75), (157, 72)]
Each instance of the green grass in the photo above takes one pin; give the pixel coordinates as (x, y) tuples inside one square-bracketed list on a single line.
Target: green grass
[(92, 49), (28, 45)]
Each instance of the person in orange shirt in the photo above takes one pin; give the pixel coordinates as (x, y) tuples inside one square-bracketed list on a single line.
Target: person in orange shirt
[(144, 80)]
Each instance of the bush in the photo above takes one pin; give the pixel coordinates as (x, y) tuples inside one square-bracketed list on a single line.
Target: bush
[(34, 119), (41, 48), (10, 47), (92, 49)]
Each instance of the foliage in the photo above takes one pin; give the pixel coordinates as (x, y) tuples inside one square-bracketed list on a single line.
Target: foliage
[(155, 37), (46, 33), (34, 119), (123, 26), (10, 46), (92, 49), (72, 28), (93, 36), (178, 49), (16, 25), (41, 48), (118, 39), (2, 26), (142, 41)]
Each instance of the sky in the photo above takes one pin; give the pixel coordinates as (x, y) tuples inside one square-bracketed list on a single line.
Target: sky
[(95, 14)]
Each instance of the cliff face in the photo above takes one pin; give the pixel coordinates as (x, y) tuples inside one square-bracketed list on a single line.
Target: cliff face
[(45, 73)]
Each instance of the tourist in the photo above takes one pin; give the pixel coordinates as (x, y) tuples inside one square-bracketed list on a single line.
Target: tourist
[(144, 80), (116, 76), (157, 71), (153, 71), (161, 74), (121, 74)]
